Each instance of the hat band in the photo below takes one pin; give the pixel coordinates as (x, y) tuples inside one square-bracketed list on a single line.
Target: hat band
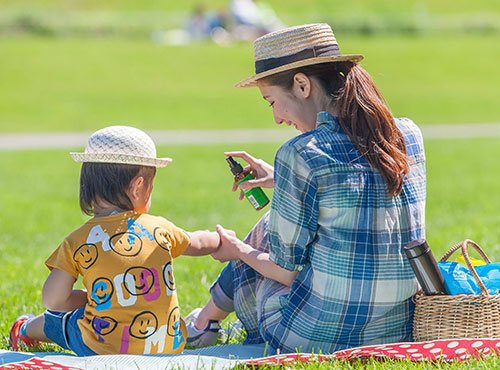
[(315, 51)]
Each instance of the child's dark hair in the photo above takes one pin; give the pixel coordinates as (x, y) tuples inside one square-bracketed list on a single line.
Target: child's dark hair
[(109, 182)]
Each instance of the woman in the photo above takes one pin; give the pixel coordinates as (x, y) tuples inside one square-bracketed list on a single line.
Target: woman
[(326, 269)]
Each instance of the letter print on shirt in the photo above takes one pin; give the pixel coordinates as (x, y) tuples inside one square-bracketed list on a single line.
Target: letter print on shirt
[(127, 281), (168, 277), (120, 243), (103, 326), (98, 235), (102, 291), (86, 255), (157, 341), (125, 339), (136, 228), (146, 282), (174, 327)]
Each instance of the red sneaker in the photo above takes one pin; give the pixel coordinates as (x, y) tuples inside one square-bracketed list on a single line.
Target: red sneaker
[(18, 341)]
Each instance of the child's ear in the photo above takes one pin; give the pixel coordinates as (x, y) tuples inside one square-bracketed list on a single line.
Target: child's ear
[(135, 187)]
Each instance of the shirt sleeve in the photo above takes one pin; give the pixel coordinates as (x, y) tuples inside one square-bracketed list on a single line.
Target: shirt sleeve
[(294, 210), (177, 238), (63, 259)]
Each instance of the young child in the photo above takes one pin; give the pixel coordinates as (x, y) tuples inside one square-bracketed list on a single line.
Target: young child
[(124, 255)]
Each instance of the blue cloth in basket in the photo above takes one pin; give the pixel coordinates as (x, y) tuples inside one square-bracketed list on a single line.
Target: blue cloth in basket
[(459, 280)]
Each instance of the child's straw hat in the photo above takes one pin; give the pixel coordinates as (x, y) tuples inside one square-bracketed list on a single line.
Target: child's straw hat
[(121, 145), (295, 47)]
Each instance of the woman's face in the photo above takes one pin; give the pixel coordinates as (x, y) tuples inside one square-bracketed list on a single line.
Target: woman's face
[(289, 107)]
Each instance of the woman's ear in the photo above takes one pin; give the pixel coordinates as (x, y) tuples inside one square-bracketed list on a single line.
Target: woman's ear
[(302, 85)]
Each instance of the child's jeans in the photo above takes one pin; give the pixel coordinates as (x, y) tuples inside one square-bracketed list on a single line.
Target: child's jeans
[(62, 329)]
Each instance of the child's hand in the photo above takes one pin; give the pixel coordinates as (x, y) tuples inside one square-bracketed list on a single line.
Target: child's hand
[(230, 246)]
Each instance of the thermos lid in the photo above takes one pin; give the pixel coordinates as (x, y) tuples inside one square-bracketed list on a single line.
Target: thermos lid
[(416, 248)]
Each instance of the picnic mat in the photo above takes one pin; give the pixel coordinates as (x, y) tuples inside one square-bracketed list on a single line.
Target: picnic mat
[(227, 356)]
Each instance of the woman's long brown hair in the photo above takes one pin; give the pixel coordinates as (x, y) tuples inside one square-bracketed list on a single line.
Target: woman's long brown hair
[(363, 115)]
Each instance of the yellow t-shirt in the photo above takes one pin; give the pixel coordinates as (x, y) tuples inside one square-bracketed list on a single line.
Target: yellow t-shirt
[(126, 263)]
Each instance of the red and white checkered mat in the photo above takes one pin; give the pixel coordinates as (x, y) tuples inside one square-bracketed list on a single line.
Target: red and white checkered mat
[(438, 350)]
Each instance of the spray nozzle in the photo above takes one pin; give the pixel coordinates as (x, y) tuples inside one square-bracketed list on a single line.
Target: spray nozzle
[(234, 166)]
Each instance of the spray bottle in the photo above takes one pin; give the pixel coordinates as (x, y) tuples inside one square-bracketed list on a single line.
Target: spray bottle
[(256, 196)]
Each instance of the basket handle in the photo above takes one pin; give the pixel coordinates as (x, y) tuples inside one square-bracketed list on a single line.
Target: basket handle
[(463, 245)]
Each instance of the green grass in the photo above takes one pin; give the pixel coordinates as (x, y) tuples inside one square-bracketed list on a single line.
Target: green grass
[(136, 19), (58, 84), (82, 84), (290, 9), (39, 190)]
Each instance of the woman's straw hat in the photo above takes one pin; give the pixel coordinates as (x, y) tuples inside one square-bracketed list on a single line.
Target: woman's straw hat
[(121, 145), (295, 47)]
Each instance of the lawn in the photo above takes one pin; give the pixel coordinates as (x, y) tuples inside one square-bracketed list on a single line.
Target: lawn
[(39, 191), (52, 84), (290, 10), (61, 84)]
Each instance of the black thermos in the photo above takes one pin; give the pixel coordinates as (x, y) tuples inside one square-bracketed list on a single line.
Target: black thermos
[(425, 267)]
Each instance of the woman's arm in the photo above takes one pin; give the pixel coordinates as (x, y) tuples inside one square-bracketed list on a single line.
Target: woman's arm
[(202, 243), (232, 248), (294, 215), (58, 293)]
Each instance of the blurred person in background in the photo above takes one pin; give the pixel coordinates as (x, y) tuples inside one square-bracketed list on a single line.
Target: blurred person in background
[(253, 19)]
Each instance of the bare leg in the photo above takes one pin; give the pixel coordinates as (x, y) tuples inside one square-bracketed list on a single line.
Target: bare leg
[(34, 329), (209, 312)]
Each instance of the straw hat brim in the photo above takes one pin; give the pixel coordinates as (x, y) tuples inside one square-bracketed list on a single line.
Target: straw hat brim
[(120, 159), (252, 81)]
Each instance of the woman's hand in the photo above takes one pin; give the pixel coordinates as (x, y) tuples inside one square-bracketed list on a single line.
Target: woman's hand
[(262, 171), (230, 246)]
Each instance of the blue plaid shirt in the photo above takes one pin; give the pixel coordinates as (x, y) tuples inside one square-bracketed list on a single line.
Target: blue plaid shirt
[(332, 221)]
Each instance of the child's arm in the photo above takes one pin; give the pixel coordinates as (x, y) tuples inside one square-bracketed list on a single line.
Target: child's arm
[(202, 243), (232, 248), (58, 293)]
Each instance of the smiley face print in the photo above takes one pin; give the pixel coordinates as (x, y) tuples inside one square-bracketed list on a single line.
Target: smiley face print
[(86, 255), (102, 291), (103, 326), (143, 278), (168, 277), (174, 322), (126, 244), (143, 325), (174, 327), (161, 240)]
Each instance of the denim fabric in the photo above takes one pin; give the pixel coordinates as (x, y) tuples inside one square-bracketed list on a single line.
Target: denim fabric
[(62, 328), (222, 290)]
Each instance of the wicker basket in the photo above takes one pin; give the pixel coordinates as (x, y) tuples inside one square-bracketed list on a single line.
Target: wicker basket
[(458, 316)]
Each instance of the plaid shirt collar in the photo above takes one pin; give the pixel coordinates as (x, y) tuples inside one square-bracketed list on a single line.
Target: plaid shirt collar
[(326, 118)]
